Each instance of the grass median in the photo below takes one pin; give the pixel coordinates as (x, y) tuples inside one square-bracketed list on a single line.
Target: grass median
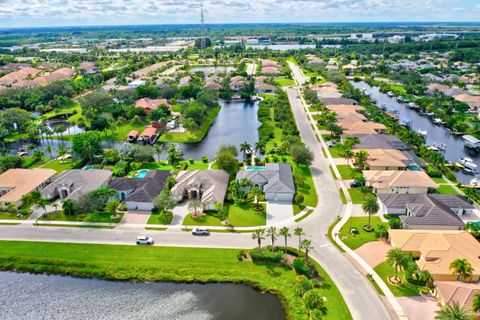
[(134, 263)]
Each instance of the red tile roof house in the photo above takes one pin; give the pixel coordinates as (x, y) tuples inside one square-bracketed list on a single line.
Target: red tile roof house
[(150, 104), (19, 75), (60, 74), (148, 134)]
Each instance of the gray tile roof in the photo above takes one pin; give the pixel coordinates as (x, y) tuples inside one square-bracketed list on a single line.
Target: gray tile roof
[(213, 184), (331, 101), (428, 209), (277, 178), (144, 189)]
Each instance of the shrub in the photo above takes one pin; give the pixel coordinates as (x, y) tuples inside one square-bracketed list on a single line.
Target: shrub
[(299, 198), (191, 161), (434, 172), (205, 159), (300, 267), (395, 223), (266, 256)]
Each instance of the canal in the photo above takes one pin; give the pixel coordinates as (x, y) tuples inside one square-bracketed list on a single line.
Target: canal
[(436, 134), (29, 296)]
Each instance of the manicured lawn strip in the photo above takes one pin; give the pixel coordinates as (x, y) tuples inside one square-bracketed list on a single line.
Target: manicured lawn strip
[(193, 136), (309, 212), (308, 189), (61, 166), (120, 133), (73, 226), (243, 215), (89, 217), (332, 172), (197, 165), (284, 82), (346, 172), (334, 152), (116, 262), (357, 196), (342, 196), (207, 220), (439, 180), (160, 218), (407, 289), (330, 234), (354, 242), (446, 189), (11, 216)]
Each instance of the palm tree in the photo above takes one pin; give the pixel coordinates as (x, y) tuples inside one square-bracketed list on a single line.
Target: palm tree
[(453, 312), (194, 204), (462, 268), (174, 155), (272, 233), (346, 152), (49, 150), (42, 203), (426, 276), (62, 150), (284, 233), (258, 235), (382, 229), (158, 150), (306, 245), (299, 233), (257, 191), (370, 206), (397, 259), (245, 147), (476, 302)]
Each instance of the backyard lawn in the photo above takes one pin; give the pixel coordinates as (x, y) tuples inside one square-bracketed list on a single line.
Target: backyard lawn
[(407, 289), (284, 82), (160, 218), (356, 241), (243, 215), (140, 263), (307, 189), (357, 196), (346, 172), (334, 152), (446, 189), (120, 133), (206, 220), (12, 216), (89, 217), (61, 166)]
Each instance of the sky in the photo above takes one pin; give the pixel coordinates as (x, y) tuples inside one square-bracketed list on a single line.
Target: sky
[(33, 13)]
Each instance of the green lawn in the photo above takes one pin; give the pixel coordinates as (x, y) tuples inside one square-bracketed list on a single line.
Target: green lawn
[(346, 172), (407, 289), (357, 196), (61, 166), (89, 217), (207, 220), (334, 152), (163, 218), (343, 197), (197, 165), (446, 189), (439, 180), (140, 263), (308, 188), (353, 242), (284, 82), (12, 216), (243, 215), (120, 133), (192, 136)]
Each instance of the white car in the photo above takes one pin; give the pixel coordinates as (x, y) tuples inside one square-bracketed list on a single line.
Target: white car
[(146, 240), (200, 231)]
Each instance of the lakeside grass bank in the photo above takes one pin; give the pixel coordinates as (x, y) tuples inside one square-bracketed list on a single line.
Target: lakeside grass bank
[(134, 263)]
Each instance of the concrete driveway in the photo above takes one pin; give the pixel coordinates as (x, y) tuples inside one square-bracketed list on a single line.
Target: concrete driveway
[(133, 218), (278, 211), (374, 252), (419, 308), (179, 213)]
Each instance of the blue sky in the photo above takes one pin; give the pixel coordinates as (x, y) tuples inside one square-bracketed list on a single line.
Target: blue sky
[(24, 13)]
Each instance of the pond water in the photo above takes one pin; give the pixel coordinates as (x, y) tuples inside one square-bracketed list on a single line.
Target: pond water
[(436, 134), (28, 296), (283, 47), (235, 123)]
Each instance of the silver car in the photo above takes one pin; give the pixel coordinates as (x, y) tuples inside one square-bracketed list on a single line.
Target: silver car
[(145, 240)]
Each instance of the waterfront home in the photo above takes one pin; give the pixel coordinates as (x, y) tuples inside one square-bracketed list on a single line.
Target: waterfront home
[(390, 181), (139, 191), (275, 179), (427, 211), (472, 101), (213, 86), (148, 135), (208, 186), (72, 184), (437, 249), (446, 90), (132, 136), (57, 75), (264, 88), (333, 101), (88, 67), (361, 127), (15, 183), (386, 159), (448, 292), (237, 83), (150, 104), (18, 75)]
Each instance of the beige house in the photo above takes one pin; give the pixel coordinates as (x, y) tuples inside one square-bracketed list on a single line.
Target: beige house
[(361, 127), (15, 183), (386, 159), (448, 292), (472, 101), (390, 181), (437, 249)]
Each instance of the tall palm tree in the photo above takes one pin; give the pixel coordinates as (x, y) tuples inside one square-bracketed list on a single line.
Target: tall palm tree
[(382, 229), (42, 203), (306, 246), (284, 232), (370, 206), (245, 147), (174, 155), (62, 150), (49, 150), (476, 302), (299, 233), (453, 312), (257, 191), (158, 150), (397, 259), (272, 233), (462, 268), (259, 235), (426, 276)]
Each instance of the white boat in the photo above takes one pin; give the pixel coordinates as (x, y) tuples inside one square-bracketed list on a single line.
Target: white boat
[(438, 121), (390, 94), (422, 133), (468, 163), (475, 181)]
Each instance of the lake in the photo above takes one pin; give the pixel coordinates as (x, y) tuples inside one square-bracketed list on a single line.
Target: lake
[(282, 47), (455, 145), (29, 296)]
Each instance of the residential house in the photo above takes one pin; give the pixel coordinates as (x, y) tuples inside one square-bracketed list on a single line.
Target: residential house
[(136, 83), (427, 211), (333, 101), (275, 179), (15, 183), (132, 136), (184, 81), (446, 90), (463, 293), (361, 127), (386, 159), (147, 70), (472, 101), (18, 75), (208, 186), (88, 68), (213, 86), (148, 135), (139, 192), (270, 70), (437, 249), (237, 83), (389, 181), (72, 184), (264, 88), (150, 104)]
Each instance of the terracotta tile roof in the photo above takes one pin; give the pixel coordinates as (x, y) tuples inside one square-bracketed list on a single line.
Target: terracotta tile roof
[(145, 71), (148, 132), (150, 104), (460, 292), (361, 127), (270, 70), (16, 76), (19, 182), (386, 158), (384, 179)]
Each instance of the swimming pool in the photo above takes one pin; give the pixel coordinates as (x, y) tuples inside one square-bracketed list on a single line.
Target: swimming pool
[(141, 174), (255, 168)]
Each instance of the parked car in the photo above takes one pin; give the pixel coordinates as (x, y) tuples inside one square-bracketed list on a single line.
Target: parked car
[(356, 184), (331, 143), (200, 231), (146, 240)]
